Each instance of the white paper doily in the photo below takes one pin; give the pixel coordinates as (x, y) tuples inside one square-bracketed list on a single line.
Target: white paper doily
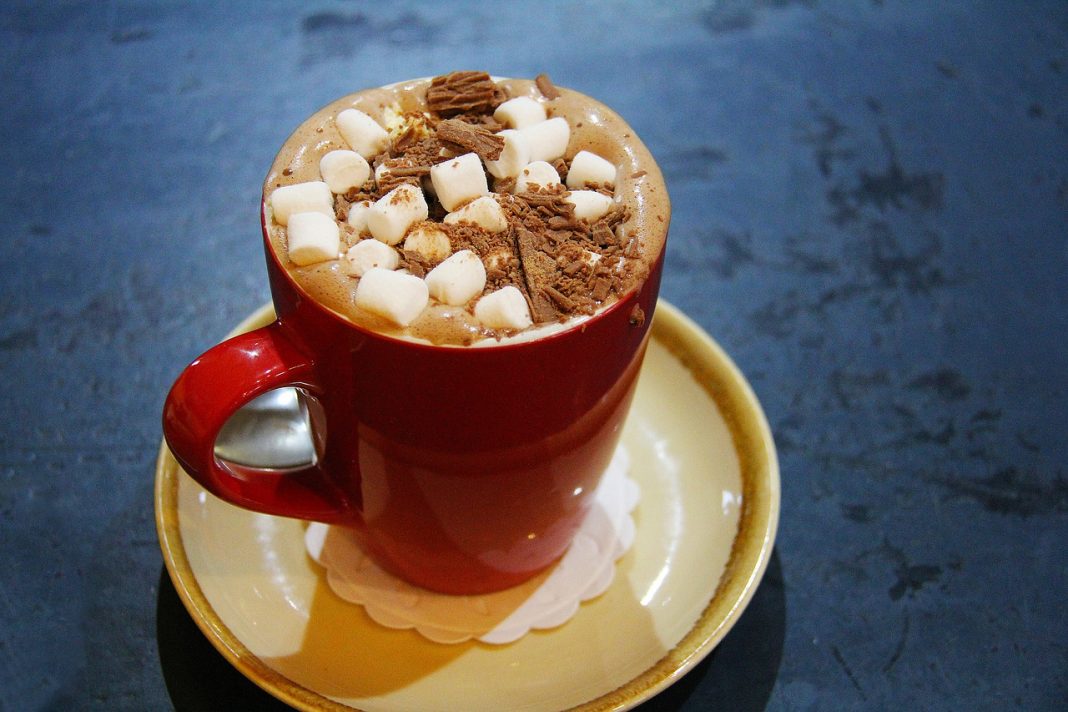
[(546, 601)]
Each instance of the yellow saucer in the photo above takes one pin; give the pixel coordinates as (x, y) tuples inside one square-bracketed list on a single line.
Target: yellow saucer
[(704, 457)]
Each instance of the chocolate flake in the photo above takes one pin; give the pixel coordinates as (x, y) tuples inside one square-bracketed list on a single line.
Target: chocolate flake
[(563, 266), (562, 167), (538, 273), (573, 267), (460, 92), (602, 287), (560, 298), (406, 140), (462, 136), (603, 234), (416, 263)]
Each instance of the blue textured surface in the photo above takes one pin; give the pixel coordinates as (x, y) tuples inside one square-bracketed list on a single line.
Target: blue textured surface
[(870, 215)]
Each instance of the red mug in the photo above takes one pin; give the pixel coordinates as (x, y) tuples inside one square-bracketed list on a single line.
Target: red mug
[(461, 469)]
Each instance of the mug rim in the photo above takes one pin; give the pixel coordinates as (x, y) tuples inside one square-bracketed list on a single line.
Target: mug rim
[(581, 322)]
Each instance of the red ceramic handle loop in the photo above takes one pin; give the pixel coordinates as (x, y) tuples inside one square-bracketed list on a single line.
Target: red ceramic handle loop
[(210, 390)]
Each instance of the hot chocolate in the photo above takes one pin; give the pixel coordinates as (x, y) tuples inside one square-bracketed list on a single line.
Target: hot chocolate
[(462, 210)]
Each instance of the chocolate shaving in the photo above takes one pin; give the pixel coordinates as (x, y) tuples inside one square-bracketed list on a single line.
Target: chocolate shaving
[(573, 267), (602, 286), (561, 299), (603, 234), (405, 141), (562, 168), (638, 174), (416, 263), (409, 171), (538, 273), (397, 171), (460, 92), (546, 87), (504, 185), (463, 137)]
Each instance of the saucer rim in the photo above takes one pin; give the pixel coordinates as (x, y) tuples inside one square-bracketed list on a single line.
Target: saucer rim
[(722, 380)]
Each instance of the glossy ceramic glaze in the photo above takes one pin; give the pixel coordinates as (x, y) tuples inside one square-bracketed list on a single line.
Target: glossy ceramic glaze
[(706, 464), (421, 444)]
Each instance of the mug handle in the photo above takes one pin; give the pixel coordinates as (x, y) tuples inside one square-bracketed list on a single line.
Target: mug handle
[(210, 390)]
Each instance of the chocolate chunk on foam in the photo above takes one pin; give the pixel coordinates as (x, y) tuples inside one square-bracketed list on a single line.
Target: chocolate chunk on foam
[(476, 227)]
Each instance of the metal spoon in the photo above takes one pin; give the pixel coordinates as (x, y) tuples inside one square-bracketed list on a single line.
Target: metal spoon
[(272, 431)]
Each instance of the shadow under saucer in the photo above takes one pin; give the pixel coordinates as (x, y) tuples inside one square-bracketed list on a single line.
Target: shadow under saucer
[(739, 674)]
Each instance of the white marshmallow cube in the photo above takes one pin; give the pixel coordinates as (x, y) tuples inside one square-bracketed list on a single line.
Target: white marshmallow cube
[(520, 112), (547, 140), (368, 254), (459, 180), (536, 173), (311, 197), (362, 133), (428, 241), (589, 204), (397, 296), (504, 309), (590, 169), (357, 217), (313, 237), (457, 280), (344, 170), (514, 155), (392, 214), (484, 212)]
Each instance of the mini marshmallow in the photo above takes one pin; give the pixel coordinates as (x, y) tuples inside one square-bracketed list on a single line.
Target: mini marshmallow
[(520, 112), (459, 180), (311, 197), (514, 155), (536, 173), (458, 279), (344, 170), (498, 259), (397, 296), (504, 309), (429, 241), (548, 139), (357, 217), (368, 254), (484, 212), (391, 216), (590, 169), (362, 133), (589, 204), (313, 237)]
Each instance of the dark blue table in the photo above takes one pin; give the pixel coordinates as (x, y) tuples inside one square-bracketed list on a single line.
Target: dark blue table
[(870, 215)]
